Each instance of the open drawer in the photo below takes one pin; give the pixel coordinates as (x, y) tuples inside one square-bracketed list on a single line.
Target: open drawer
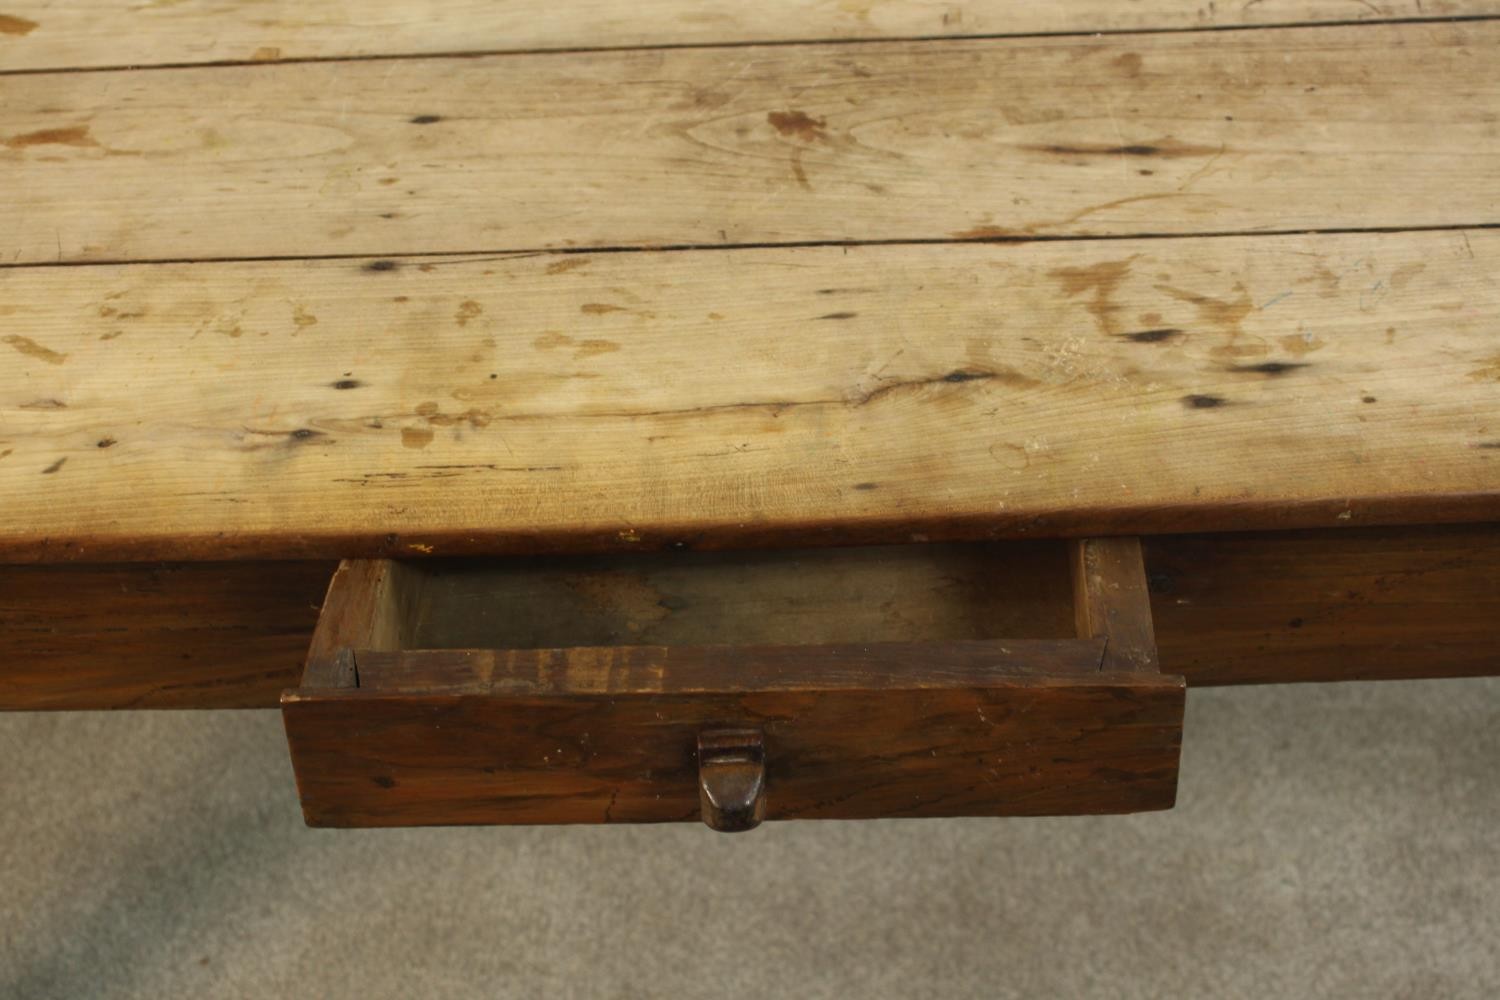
[(915, 680)]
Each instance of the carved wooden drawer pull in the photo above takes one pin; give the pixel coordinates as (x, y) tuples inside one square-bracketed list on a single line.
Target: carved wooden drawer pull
[(732, 779)]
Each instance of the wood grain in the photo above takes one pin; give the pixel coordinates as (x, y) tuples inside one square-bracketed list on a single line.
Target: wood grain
[(1174, 133), (210, 635), (1244, 608), (1111, 601), (651, 670), (849, 734), (368, 606), (1003, 590), (36, 34), (768, 397), (1373, 605)]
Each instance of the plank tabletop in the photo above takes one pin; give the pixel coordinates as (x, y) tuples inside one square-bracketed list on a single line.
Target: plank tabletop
[(718, 274), (450, 404), (1181, 133), (42, 34)]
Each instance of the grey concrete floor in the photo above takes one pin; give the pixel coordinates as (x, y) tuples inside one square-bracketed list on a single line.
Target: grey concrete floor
[(1339, 841)]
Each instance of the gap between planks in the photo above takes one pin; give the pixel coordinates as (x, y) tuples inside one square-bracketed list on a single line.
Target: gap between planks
[(781, 43), (521, 253)]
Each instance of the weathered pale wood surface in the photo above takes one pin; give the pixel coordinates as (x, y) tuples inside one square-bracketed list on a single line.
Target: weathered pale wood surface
[(43, 34), (727, 397), (1279, 129)]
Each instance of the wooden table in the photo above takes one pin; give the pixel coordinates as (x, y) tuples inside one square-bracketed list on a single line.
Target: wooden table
[(582, 288)]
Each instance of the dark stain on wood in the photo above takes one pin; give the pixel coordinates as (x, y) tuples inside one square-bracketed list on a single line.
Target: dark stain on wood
[(1225, 314), (1099, 282), (54, 466), (381, 265), (839, 315), (1152, 336), (44, 404), (1368, 399), (105, 443), (799, 172), (1269, 367), (476, 418), (867, 486), (467, 309), (32, 349), (967, 375), (567, 264), (425, 119), (416, 437), (346, 383), (305, 434), (73, 135), (1488, 371), (1164, 148), (12, 25), (798, 125), (1198, 401)]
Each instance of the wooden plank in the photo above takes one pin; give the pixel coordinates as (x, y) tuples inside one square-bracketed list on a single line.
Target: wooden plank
[(39, 34), (210, 635), (1230, 609), (1111, 601), (667, 670), (707, 399), (1367, 126), (368, 606), (1267, 609), (934, 730)]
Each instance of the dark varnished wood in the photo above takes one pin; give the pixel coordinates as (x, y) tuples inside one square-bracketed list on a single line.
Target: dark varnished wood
[(732, 779), (210, 635), (1228, 609), (730, 733), (1315, 606), (1335, 514), (1022, 741), (687, 670)]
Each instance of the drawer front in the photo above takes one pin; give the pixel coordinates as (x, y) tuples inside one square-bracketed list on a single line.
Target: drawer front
[(392, 727), (961, 729)]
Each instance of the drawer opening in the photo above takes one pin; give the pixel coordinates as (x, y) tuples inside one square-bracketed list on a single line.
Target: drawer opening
[(794, 597)]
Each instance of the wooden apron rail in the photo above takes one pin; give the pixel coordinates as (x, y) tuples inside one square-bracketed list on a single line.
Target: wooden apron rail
[(1228, 609)]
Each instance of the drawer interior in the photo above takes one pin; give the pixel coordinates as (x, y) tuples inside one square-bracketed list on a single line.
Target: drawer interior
[(793, 597)]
